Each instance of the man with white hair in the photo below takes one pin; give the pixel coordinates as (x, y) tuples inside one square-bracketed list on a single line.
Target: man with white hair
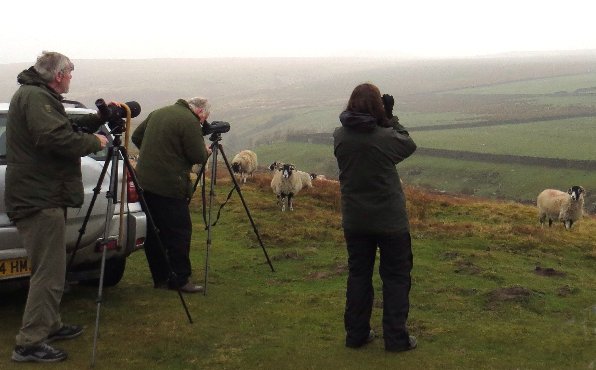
[(171, 141), (43, 178)]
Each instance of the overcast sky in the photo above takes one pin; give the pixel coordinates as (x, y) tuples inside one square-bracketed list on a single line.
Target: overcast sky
[(123, 29)]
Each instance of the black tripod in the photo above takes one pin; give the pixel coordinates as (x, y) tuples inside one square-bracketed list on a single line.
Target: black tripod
[(114, 152), (216, 147)]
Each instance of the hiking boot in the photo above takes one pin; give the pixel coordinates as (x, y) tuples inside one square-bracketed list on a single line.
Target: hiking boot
[(39, 353), (371, 336), (412, 343), (65, 332), (190, 288)]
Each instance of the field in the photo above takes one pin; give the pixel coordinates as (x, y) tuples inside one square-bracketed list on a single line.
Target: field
[(491, 290), (546, 119)]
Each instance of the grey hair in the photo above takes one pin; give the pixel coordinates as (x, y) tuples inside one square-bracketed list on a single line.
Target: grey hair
[(198, 102), (50, 63)]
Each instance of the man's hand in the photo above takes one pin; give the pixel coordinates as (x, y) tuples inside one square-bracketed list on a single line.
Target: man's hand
[(208, 149), (103, 141), (388, 103)]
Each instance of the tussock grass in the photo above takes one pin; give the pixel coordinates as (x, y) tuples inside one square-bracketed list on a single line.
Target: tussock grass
[(491, 290)]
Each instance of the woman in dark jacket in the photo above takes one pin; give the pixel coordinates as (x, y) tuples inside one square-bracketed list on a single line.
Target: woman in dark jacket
[(367, 147)]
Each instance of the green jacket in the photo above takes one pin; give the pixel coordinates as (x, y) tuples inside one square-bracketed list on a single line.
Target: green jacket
[(43, 150), (372, 199), (170, 140)]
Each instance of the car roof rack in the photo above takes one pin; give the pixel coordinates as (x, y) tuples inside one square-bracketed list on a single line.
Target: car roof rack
[(74, 103)]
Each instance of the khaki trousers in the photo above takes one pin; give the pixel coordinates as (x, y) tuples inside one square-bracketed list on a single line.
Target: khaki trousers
[(43, 235)]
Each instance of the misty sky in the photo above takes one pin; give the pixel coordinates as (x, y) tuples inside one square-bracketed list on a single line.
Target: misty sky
[(311, 28)]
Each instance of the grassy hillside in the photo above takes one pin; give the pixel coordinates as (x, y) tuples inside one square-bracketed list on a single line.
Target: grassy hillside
[(268, 97), (555, 139), (491, 290), (483, 179)]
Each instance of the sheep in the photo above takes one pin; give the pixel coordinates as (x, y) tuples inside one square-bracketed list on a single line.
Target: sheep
[(244, 163), (314, 176), (286, 183), (305, 178), (275, 165), (558, 205), (322, 179)]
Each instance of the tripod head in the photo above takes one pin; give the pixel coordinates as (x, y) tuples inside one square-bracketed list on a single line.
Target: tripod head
[(117, 139), (117, 127), (215, 137)]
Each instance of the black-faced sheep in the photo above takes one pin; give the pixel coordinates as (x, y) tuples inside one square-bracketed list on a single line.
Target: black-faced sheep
[(556, 205), (244, 163), (275, 166), (287, 182), (322, 179)]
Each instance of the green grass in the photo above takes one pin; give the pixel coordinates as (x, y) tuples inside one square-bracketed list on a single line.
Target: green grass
[(569, 139), (467, 255), (537, 86), (310, 158), (509, 181), (415, 119)]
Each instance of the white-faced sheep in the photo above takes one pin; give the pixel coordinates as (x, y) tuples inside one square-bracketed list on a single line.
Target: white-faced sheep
[(556, 205), (287, 182), (244, 163)]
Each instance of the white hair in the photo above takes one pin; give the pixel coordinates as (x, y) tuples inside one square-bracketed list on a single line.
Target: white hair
[(201, 103), (50, 63)]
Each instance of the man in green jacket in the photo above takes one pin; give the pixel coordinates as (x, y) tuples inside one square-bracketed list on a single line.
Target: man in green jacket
[(43, 178), (170, 140)]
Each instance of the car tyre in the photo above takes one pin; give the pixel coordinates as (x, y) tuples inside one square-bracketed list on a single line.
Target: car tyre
[(114, 270)]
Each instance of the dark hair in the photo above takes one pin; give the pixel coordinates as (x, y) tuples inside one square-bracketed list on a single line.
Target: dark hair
[(366, 98)]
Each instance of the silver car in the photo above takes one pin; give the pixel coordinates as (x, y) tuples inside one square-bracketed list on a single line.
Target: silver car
[(124, 237)]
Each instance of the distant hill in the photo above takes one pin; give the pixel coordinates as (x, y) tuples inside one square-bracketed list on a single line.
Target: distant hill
[(269, 97), (538, 107)]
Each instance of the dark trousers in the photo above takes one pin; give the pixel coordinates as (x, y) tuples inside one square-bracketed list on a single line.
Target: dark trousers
[(172, 219), (395, 267)]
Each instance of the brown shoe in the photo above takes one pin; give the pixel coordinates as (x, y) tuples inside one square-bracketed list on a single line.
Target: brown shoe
[(190, 288)]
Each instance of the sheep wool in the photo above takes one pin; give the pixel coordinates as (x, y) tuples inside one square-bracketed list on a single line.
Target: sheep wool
[(306, 178), (244, 164), (285, 184), (566, 207)]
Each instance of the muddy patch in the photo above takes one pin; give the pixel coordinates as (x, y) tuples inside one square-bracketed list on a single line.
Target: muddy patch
[(467, 267), (335, 270), (449, 255), (515, 294), (548, 271), (288, 256), (566, 290)]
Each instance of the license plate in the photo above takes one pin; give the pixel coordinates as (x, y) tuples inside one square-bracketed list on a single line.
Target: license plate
[(16, 267)]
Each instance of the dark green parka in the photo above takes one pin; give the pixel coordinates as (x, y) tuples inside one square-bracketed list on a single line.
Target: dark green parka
[(372, 199), (170, 140), (43, 150)]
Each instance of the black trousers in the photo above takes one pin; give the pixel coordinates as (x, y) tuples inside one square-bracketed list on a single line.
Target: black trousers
[(395, 266), (172, 219)]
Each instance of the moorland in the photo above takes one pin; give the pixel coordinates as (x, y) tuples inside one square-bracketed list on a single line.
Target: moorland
[(491, 288), (502, 127)]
